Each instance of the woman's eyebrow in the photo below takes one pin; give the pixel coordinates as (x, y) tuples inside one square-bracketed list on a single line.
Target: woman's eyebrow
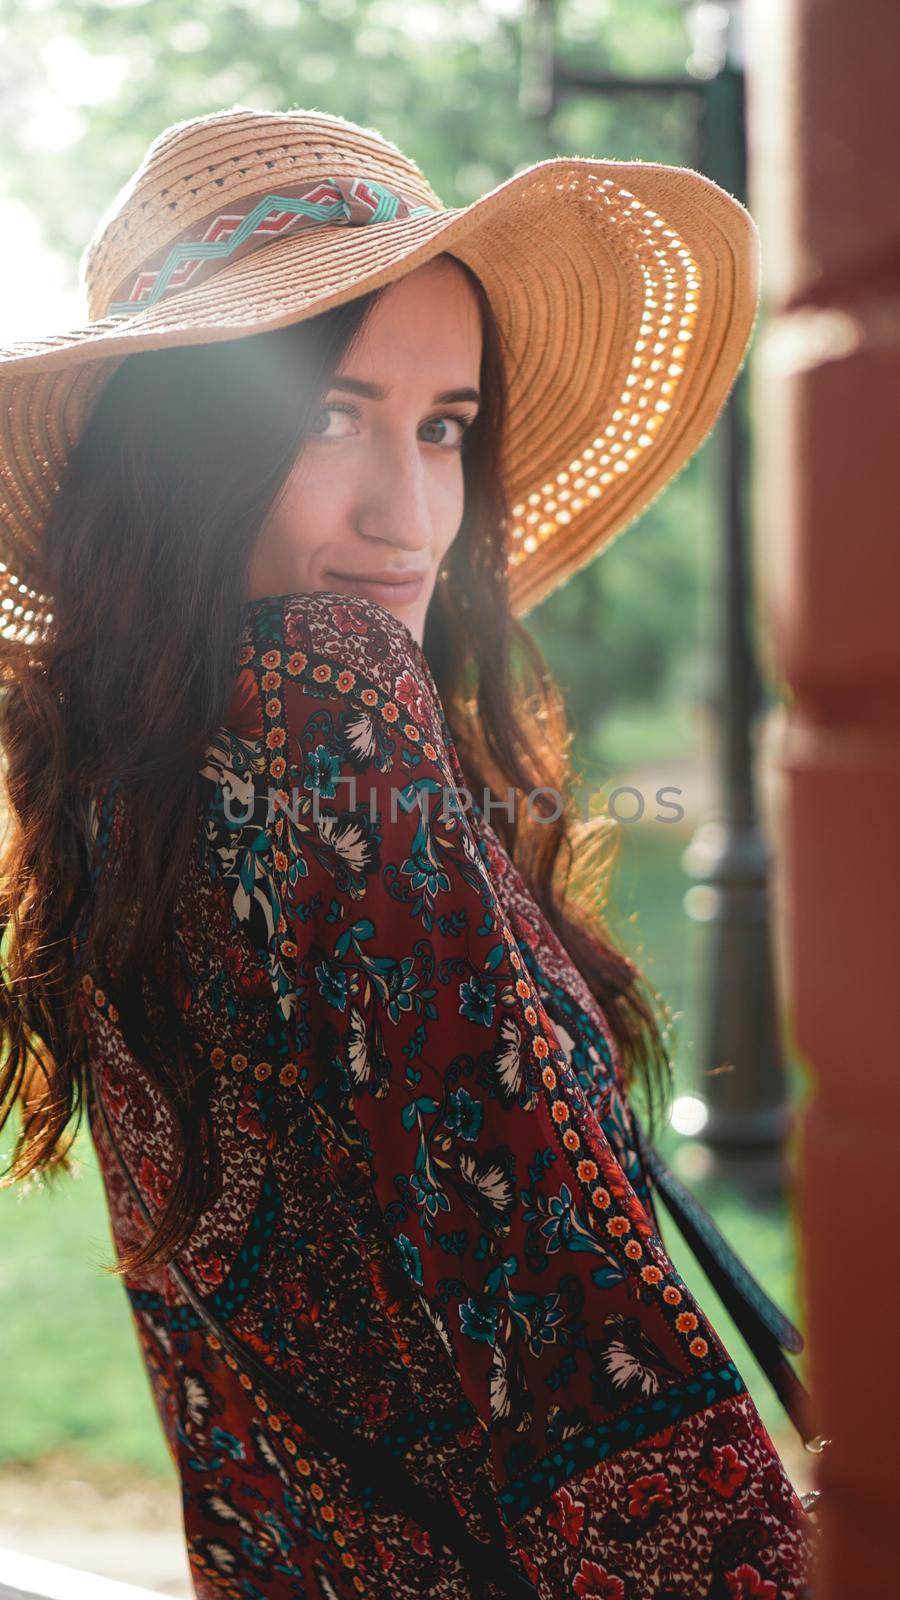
[(375, 391)]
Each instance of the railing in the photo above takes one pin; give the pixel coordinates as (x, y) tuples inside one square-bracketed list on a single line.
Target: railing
[(31, 1578)]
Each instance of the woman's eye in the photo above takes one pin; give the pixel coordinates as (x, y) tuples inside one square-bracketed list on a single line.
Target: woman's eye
[(327, 412), (451, 428), (452, 439)]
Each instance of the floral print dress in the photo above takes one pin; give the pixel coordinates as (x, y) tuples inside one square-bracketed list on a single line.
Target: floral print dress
[(432, 1219)]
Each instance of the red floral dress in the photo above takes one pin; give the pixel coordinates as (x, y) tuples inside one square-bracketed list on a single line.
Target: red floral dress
[(432, 1218)]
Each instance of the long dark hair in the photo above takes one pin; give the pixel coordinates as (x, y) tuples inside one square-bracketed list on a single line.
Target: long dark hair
[(145, 552)]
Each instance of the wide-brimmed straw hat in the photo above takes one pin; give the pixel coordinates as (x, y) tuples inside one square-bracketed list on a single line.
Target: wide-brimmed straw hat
[(626, 293)]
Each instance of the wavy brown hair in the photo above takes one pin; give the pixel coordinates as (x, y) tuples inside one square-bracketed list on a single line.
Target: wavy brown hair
[(145, 552)]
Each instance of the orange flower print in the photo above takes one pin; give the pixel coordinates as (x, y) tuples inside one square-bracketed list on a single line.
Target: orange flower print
[(617, 1226), (153, 1181), (685, 1322), (593, 1582), (375, 1407), (726, 1472), (633, 1250), (567, 1516), (745, 1583), (587, 1171), (296, 663), (322, 673), (244, 714), (600, 1199), (389, 711), (560, 1112), (275, 738), (541, 1049), (211, 1268), (430, 751), (116, 1098), (409, 694), (651, 1274), (570, 1139), (271, 680), (247, 1120), (417, 1537), (648, 1496), (350, 619), (661, 1440), (385, 1556), (671, 1295), (698, 1348), (278, 765), (369, 697), (345, 681), (271, 658)]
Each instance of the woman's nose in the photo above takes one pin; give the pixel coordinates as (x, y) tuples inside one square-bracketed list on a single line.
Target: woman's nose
[(394, 506)]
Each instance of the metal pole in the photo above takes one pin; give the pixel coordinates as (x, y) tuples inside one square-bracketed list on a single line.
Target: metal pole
[(749, 1111)]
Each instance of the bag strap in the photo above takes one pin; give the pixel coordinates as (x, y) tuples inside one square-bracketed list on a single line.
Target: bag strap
[(372, 1465)]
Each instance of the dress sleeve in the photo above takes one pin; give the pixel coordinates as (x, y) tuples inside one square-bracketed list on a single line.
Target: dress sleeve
[(615, 1417)]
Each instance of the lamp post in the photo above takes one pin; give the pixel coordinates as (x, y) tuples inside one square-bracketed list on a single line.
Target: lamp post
[(742, 1073), (748, 1113)]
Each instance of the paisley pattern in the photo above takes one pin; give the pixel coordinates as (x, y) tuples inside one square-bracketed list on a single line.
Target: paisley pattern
[(432, 1214)]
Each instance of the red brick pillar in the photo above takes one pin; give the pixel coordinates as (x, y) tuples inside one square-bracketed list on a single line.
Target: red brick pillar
[(824, 131)]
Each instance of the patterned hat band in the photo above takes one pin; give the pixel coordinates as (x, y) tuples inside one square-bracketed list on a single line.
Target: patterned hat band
[(206, 246)]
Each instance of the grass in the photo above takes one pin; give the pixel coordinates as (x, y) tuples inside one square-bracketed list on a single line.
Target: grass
[(66, 1333), (75, 1378)]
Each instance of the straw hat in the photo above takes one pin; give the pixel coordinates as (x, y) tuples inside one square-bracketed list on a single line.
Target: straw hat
[(627, 293)]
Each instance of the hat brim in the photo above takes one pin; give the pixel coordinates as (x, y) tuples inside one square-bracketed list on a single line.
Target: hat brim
[(626, 294)]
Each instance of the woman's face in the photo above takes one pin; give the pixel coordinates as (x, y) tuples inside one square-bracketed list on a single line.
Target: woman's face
[(375, 498)]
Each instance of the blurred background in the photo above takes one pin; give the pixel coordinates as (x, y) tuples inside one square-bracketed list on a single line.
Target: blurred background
[(656, 645)]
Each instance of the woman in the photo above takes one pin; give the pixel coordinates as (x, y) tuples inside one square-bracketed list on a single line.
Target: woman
[(285, 880)]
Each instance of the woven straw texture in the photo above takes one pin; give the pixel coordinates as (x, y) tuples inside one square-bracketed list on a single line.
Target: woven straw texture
[(626, 294)]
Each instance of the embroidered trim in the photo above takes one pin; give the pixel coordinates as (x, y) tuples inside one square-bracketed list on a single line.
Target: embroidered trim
[(255, 221)]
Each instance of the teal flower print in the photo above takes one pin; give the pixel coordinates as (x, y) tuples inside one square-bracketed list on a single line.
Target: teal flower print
[(410, 1256), (479, 1322), (425, 874), (478, 996), (394, 981), (332, 984), (323, 768), (538, 1316), (465, 1115), (428, 1195)]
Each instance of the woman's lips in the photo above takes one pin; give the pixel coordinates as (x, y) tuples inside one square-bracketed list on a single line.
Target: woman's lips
[(386, 588)]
